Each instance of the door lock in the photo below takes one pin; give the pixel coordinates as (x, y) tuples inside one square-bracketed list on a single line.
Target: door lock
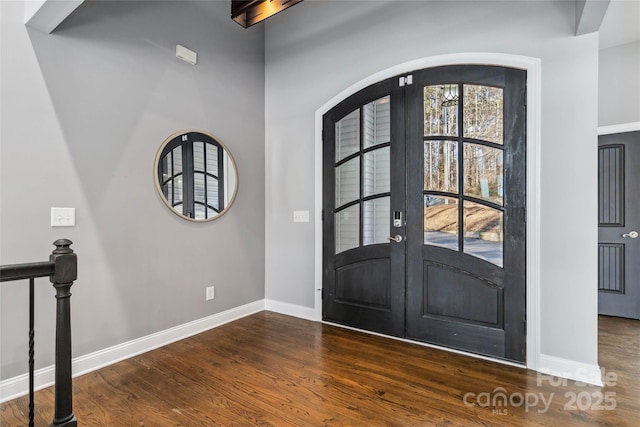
[(632, 234), (397, 238)]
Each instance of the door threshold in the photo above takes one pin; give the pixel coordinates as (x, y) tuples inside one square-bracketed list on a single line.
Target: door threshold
[(434, 346)]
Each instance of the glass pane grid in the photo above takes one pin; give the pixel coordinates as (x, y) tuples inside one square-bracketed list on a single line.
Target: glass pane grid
[(376, 218), (441, 166), (483, 113), (376, 171), (347, 182), (441, 221), (483, 171), (347, 228), (483, 232), (377, 122), (441, 110), (348, 135)]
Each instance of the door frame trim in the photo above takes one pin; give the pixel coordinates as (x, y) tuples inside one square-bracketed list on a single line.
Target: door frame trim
[(621, 128), (533, 132)]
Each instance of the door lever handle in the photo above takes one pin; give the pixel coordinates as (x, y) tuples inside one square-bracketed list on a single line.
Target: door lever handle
[(632, 234), (396, 238)]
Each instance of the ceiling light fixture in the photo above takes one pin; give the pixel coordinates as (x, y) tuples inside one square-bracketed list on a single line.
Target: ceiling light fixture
[(250, 12)]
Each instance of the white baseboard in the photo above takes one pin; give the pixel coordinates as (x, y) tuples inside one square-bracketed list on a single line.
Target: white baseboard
[(19, 386), (569, 369), (308, 313)]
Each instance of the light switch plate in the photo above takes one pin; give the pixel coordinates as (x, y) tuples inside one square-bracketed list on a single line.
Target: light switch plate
[(63, 217), (300, 216)]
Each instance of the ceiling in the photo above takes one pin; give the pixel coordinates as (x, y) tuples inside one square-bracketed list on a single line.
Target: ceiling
[(621, 23)]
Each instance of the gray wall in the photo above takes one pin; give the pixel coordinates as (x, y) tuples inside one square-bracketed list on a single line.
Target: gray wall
[(317, 49), (619, 85), (83, 112)]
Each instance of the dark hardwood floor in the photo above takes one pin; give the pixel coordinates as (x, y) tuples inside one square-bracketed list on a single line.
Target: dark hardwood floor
[(274, 370)]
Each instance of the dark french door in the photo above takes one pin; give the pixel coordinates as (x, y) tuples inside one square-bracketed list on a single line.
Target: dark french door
[(424, 209)]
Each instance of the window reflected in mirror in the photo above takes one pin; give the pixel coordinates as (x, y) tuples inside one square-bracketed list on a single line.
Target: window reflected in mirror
[(196, 175)]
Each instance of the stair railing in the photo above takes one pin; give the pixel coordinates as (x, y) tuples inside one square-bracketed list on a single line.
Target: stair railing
[(62, 270)]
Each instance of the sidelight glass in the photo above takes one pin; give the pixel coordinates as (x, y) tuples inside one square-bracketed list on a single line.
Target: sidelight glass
[(483, 172), (348, 135), (377, 122), (348, 182), (441, 221), (441, 166), (376, 171), (347, 225), (441, 110), (483, 113), (376, 221), (483, 232)]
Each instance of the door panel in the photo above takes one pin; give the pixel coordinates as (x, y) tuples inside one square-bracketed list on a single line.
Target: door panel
[(364, 271), (465, 228), (619, 214), (440, 166)]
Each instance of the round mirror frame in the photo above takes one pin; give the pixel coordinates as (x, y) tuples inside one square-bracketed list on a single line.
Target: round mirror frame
[(157, 172)]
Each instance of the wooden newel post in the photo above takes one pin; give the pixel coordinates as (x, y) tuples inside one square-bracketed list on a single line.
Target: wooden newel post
[(66, 271)]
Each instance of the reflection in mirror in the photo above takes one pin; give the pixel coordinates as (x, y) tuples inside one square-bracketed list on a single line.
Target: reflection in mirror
[(195, 175)]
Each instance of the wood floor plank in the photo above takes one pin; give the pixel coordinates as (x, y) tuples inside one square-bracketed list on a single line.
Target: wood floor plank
[(274, 370)]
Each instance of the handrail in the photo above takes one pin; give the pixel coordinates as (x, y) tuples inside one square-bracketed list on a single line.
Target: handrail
[(62, 270), (26, 271)]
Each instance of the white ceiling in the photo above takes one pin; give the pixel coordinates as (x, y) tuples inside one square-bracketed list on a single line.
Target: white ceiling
[(621, 23)]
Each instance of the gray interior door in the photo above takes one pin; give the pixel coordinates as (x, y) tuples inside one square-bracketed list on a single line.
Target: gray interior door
[(619, 225)]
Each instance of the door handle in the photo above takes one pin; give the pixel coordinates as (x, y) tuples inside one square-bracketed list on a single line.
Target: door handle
[(396, 238), (632, 234)]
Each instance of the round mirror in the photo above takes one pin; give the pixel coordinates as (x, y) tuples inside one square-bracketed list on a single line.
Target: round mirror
[(195, 175)]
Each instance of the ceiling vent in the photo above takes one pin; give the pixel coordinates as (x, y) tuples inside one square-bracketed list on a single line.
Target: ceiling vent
[(249, 12)]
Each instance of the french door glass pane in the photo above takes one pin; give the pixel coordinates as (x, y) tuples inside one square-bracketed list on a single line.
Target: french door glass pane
[(212, 159), (483, 234), (376, 173), (348, 181), (177, 189), (198, 156), (376, 221), (200, 212), (178, 208), (441, 166), (483, 113), (441, 110), (167, 190), (347, 224), (348, 135), (212, 192), (198, 187), (177, 160), (377, 122), (441, 221), (166, 167), (483, 172)]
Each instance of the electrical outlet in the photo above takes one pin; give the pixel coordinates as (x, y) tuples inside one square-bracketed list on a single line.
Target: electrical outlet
[(210, 293)]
